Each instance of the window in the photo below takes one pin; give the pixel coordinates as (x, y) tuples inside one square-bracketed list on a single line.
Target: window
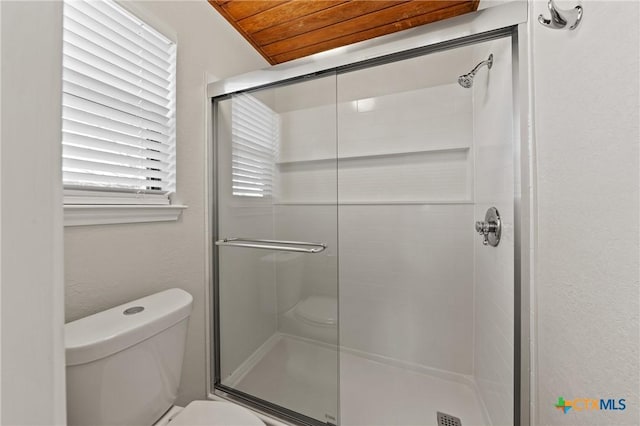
[(255, 131), (118, 107)]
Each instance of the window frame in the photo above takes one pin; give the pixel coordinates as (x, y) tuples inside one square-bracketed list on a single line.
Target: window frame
[(99, 207)]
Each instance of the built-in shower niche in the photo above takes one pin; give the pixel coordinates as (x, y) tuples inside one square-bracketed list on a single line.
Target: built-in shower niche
[(412, 146)]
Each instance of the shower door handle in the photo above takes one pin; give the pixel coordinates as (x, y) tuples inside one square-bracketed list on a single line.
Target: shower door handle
[(307, 247)]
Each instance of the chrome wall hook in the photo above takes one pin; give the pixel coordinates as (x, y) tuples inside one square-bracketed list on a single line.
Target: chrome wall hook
[(561, 18)]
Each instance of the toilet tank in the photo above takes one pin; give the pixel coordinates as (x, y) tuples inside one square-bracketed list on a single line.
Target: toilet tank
[(124, 364)]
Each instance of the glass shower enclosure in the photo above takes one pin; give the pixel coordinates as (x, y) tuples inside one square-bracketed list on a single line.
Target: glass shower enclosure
[(350, 286), (277, 222)]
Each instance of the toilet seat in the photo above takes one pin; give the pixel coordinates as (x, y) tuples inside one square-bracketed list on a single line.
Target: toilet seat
[(215, 413)]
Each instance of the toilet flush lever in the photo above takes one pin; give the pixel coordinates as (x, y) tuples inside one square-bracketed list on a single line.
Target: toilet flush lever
[(490, 228)]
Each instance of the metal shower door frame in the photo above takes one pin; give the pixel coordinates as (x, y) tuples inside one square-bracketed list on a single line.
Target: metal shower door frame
[(508, 20)]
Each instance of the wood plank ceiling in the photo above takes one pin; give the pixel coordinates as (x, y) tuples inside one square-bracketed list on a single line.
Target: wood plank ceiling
[(285, 30)]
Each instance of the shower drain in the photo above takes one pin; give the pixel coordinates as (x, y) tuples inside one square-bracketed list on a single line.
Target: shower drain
[(448, 420)]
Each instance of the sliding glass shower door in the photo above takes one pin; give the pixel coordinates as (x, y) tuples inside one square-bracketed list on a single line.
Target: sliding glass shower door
[(405, 167), (276, 249)]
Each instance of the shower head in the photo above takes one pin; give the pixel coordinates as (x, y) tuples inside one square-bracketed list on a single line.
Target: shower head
[(466, 80)]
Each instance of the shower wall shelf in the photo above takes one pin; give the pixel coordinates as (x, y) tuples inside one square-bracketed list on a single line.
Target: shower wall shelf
[(376, 155), (432, 175)]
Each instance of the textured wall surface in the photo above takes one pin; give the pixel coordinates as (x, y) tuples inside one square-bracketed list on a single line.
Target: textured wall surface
[(109, 265), (586, 124), (32, 343)]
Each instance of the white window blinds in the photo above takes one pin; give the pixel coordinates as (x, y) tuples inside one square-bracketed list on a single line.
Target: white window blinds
[(255, 130), (118, 106)]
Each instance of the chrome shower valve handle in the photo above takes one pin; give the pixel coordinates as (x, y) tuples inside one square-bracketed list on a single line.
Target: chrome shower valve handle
[(490, 228), (485, 229)]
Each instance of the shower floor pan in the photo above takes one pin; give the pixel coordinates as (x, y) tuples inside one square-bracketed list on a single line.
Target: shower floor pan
[(301, 374)]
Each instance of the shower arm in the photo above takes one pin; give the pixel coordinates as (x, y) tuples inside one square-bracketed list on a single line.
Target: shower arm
[(466, 80), (488, 62)]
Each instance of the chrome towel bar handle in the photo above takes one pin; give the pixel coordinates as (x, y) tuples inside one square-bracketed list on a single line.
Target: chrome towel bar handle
[(279, 245)]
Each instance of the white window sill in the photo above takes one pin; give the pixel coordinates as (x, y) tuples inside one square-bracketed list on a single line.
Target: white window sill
[(88, 214)]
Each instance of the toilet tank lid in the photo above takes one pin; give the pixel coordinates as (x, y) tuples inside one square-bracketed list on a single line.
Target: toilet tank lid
[(107, 332)]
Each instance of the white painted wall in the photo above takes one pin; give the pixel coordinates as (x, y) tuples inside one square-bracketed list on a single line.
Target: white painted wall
[(493, 266), (586, 134), (32, 368), (109, 265)]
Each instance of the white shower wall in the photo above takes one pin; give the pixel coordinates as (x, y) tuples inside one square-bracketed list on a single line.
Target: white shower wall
[(406, 189), (405, 193), (406, 283)]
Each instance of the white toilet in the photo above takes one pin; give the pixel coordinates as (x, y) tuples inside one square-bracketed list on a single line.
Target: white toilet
[(123, 367)]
